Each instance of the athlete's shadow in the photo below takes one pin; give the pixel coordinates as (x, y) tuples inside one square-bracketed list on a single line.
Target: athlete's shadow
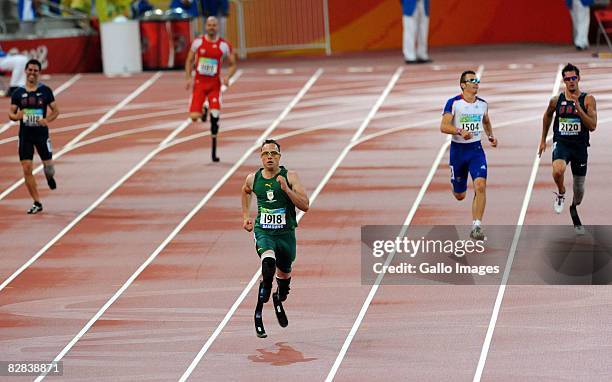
[(283, 356)]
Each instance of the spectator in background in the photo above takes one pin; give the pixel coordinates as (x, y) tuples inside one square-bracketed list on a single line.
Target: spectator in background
[(218, 9), (189, 6), (78, 5), (54, 7), (16, 63), (27, 10), (581, 17), (139, 7), (416, 29)]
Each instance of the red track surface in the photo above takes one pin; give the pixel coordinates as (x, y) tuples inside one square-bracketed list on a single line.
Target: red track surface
[(158, 324)]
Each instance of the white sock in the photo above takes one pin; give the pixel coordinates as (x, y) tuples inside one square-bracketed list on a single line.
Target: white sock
[(476, 223)]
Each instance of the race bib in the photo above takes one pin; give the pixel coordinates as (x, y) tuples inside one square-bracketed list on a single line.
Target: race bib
[(471, 123), (32, 116), (569, 126), (272, 218), (207, 66)]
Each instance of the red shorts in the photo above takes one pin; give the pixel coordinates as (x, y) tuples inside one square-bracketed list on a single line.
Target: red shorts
[(203, 90)]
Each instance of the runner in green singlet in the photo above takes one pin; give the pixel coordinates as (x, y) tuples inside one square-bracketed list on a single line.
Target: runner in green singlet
[(278, 193)]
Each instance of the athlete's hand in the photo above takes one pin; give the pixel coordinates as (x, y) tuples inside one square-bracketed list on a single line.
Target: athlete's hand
[(42, 122), (19, 115), (188, 84), (466, 134), (493, 141), (247, 224), (225, 81), (541, 148), (283, 183)]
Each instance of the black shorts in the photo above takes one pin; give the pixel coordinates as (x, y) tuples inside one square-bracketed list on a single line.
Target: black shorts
[(574, 153), (30, 137)]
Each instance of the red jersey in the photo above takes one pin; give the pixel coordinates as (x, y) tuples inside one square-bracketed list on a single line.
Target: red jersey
[(209, 56)]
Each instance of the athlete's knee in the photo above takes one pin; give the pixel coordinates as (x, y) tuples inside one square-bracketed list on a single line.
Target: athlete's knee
[(27, 168), (558, 168), (480, 185), (195, 116), (459, 195)]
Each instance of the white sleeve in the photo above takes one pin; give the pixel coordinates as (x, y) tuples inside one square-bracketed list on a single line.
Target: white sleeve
[(196, 44), (226, 48)]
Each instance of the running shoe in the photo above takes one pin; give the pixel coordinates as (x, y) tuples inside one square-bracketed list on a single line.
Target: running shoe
[(477, 233), (36, 208), (559, 202)]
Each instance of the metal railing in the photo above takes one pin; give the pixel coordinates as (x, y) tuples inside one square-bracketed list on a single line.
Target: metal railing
[(278, 25)]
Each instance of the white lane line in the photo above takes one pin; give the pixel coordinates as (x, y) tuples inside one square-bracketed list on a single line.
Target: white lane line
[(360, 69), (57, 92), (517, 233), (255, 277), (274, 71), (407, 221), (186, 219), (93, 127)]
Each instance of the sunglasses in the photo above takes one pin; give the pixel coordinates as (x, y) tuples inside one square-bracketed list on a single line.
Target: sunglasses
[(473, 80), (270, 153), (572, 78)]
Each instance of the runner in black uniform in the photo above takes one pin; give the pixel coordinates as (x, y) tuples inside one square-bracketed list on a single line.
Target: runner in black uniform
[(29, 107), (575, 116)]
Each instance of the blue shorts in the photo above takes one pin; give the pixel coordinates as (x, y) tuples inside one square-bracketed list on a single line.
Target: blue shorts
[(464, 158)]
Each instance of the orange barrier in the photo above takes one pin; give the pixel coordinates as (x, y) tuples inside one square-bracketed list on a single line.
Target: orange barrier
[(377, 24)]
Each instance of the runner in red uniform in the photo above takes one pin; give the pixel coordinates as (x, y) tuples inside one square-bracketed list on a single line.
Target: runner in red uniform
[(206, 56)]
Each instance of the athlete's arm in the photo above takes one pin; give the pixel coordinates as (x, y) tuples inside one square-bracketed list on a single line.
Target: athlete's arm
[(488, 128), (294, 190), (588, 117), (231, 69), (15, 114), (247, 191), (52, 116), (447, 127), (188, 68), (546, 120)]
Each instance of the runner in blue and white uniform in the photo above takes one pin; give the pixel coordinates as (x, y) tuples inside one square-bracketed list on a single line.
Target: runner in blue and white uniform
[(466, 117)]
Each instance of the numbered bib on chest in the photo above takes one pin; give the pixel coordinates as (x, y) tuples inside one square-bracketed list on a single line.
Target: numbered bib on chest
[(32, 116), (272, 218), (471, 122), (207, 66), (569, 126)]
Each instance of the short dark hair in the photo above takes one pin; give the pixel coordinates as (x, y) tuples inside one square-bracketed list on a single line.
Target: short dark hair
[(570, 68), (34, 61), (270, 141), (462, 78)]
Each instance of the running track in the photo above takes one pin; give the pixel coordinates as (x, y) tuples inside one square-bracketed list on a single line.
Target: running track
[(138, 269)]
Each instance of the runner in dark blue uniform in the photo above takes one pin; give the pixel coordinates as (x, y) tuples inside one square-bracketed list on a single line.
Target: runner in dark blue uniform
[(29, 106), (575, 116)]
